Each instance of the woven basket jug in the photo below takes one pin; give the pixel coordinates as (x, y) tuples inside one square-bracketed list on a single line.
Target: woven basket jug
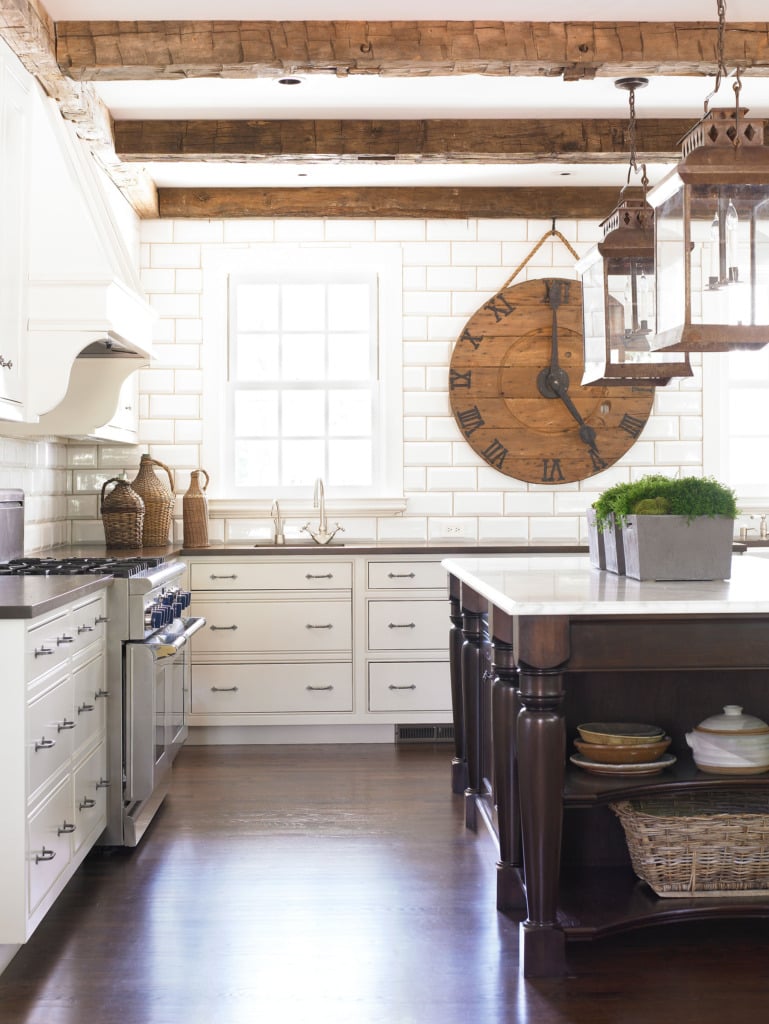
[(158, 502), (195, 512), (122, 512)]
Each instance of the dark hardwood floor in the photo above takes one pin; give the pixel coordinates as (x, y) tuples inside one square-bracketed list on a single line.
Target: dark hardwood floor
[(338, 884)]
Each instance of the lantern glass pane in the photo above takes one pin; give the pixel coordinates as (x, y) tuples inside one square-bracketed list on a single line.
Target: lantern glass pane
[(669, 260)]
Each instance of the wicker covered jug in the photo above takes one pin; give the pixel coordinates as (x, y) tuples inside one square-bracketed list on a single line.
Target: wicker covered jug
[(158, 501), (122, 512), (195, 512)]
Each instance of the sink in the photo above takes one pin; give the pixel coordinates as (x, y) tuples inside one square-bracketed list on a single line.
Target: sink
[(298, 543)]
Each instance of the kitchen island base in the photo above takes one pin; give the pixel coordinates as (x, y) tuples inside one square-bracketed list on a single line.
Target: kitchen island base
[(643, 652)]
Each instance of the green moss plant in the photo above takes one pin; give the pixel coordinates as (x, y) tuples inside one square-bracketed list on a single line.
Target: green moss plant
[(689, 496)]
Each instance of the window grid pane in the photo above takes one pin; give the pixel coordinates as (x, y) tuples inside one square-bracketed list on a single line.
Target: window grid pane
[(303, 395)]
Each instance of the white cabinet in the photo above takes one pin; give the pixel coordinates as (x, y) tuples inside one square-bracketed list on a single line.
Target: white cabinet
[(52, 756), (327, 639), (14, 101), (277, 644)]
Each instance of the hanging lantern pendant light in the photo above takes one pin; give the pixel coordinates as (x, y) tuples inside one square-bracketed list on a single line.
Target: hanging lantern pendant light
[(712, 234), (618, 289)]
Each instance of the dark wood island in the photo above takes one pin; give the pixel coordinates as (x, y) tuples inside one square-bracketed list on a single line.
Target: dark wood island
[(541, 644)]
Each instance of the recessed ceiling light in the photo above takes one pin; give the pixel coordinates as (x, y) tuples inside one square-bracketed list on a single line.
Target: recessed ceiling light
[(289, 81)]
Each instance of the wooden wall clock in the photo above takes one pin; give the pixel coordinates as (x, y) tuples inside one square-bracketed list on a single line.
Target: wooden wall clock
[(514, 385)]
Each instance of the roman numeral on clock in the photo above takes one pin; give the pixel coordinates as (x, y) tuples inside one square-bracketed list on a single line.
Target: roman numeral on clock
[(470, 420), (459, 380), (500, 307), (598, 462), (495, 454), (475, 340), (551, 471), (631, 425)]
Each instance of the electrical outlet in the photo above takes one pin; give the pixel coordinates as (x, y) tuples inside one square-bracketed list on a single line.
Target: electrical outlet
[(453, 531)]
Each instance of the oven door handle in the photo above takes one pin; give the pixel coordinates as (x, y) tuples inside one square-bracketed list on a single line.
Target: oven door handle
[(168, 643)]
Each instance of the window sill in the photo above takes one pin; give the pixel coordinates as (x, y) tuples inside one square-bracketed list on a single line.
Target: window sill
[(347, 508)]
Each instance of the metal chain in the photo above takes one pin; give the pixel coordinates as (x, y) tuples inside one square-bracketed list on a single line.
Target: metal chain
[(722, 71)]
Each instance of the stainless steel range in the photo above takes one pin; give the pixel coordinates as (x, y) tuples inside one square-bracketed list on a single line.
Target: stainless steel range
[(147, 677)]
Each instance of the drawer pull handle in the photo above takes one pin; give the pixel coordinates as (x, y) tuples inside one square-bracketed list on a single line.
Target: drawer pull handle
[(86, 803), (65, 829), (326, 625), (103, 784), (411, 686), (44, 855), (7, 364), (213, 576), (224, 689), (319, 576), (402, 625), (329, 687), (40, 651), (99, 619), (64, 639), (44, 744), (85, 629), (86, 707), (102, 693), (401, 575), (66, 724), (219, 628)]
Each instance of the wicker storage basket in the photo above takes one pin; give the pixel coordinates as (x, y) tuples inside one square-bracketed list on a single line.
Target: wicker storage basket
[(158, 501), (122, 512), (712, 843)]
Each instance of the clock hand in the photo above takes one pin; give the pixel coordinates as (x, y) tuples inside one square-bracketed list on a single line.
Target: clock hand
[(586, 432), (556, 292)]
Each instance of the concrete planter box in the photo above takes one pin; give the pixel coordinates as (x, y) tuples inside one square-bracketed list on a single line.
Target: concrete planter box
[(596, 542), (605, 547), (674, 548)]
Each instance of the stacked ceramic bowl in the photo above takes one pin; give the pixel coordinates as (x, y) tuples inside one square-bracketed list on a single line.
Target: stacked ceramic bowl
[(622, 748)]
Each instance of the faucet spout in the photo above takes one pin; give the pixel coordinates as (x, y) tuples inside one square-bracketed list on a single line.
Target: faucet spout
[(278, 537), (319, 502), (322, 535)]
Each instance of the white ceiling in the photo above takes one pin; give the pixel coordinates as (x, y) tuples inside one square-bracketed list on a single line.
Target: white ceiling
[(369, 96)]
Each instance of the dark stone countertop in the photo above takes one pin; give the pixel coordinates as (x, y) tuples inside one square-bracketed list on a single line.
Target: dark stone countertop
[(24, 597)]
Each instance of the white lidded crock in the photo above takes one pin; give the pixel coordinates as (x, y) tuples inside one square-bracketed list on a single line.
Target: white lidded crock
[(731, 743)]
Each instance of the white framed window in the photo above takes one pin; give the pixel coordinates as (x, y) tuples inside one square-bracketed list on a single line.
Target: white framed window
[(736, 422), (302, 356)]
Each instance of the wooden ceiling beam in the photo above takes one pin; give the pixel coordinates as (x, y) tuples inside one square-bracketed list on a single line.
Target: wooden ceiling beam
[(29, 32), (571, 140), (576, 49), (548, 203)]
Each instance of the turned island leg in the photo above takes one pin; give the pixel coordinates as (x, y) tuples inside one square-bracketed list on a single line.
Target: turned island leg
[(505, 709), (541, 744), (456, 641)]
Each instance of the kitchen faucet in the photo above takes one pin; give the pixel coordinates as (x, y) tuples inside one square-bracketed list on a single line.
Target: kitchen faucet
[(278, 537), (322, 534)]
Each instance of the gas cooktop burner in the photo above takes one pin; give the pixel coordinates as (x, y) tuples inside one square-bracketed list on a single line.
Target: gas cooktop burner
[(106, 566)]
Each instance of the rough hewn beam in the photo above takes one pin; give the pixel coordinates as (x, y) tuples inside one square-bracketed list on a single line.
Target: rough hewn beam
[(594, 203), (29, 32), (488, 141), (576, 49)]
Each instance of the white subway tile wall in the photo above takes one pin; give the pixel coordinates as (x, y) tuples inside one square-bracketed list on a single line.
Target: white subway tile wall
[(450, 267)]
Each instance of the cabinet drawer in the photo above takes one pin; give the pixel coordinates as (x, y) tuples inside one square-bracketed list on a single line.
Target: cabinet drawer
[(312, 574), (409, 686), (263, 626), (408, 625), (90, 785), (90, 700), (407, 576), (48, 644), (49, 841), (272, 689), (50, 725), (89, 623)]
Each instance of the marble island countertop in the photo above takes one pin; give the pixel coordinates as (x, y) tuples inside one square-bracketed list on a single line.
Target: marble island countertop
[(557, 584)]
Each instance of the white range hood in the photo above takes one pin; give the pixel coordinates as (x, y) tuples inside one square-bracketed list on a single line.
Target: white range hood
[(89, 325)]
